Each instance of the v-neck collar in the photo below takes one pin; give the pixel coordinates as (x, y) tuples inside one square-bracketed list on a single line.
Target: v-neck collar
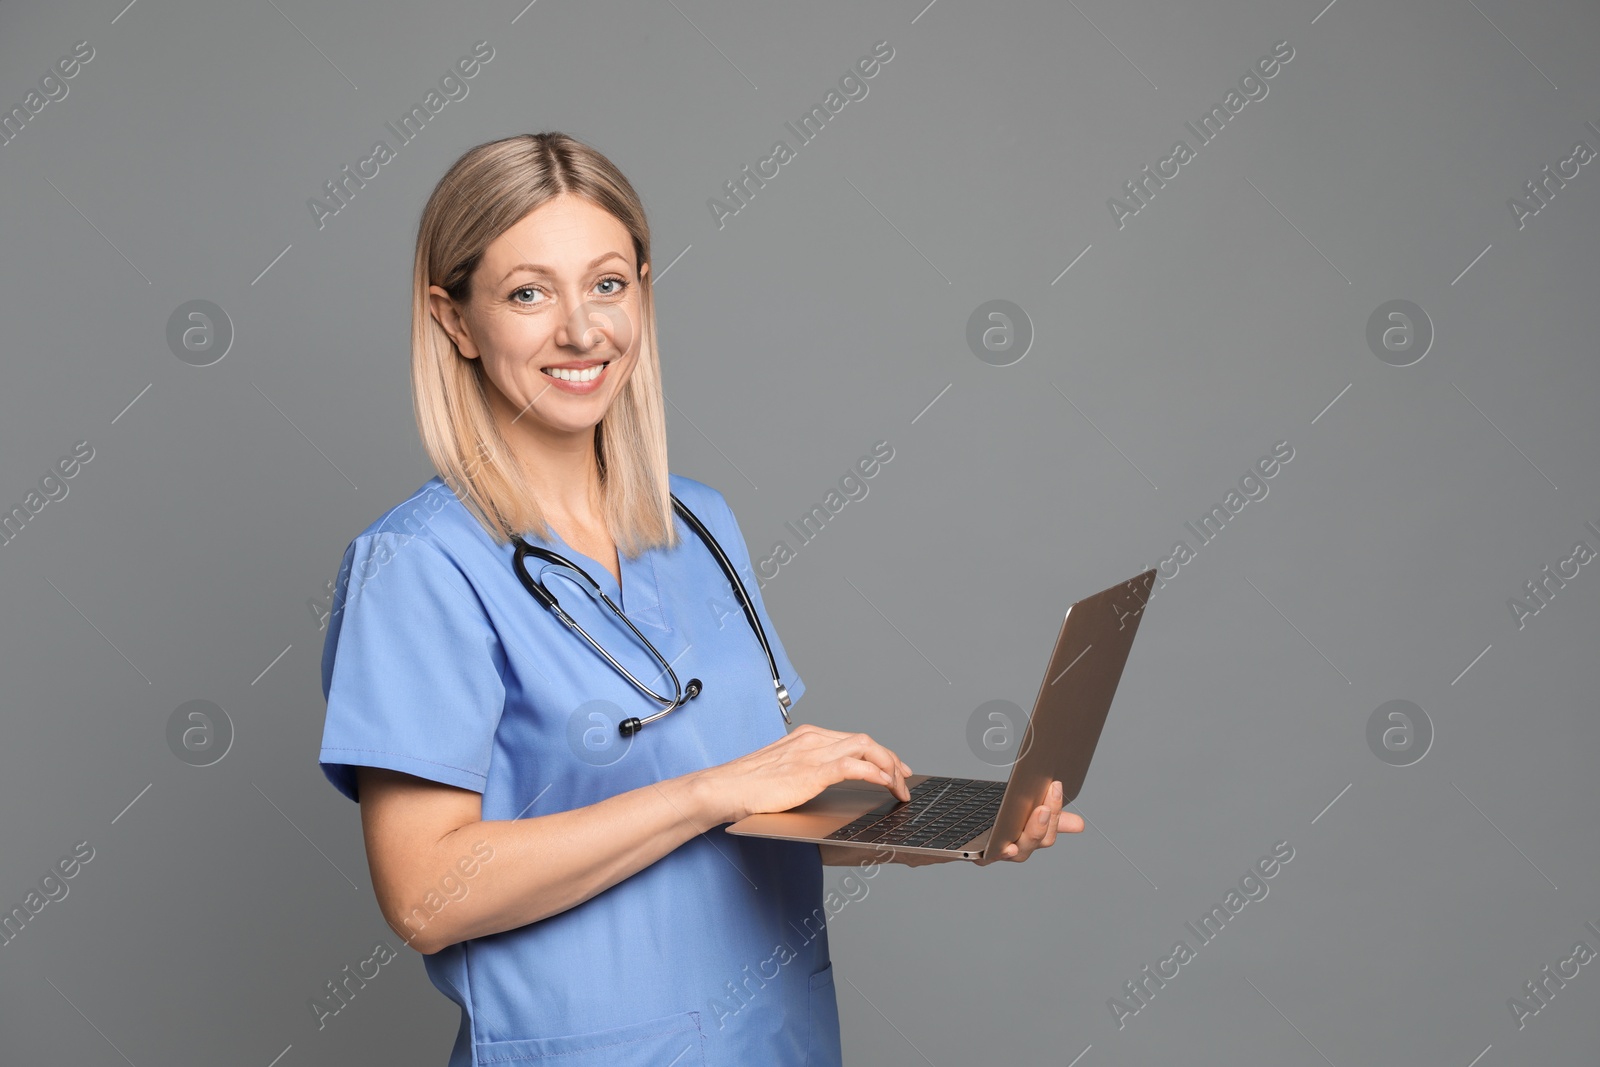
[(637, 596)]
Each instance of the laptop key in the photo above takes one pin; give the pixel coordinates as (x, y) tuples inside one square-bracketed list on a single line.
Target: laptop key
[(940, 809)]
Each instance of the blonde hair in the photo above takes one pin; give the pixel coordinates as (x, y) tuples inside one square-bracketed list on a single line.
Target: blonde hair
[(483, 194)]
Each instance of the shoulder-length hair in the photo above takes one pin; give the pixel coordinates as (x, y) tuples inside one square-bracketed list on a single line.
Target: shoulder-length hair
[(484, 193)]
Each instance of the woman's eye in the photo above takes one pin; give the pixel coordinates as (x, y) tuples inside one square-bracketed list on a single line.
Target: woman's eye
[(617, 285)]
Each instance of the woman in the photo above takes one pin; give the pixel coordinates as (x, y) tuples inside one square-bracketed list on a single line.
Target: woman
[(572, 888)]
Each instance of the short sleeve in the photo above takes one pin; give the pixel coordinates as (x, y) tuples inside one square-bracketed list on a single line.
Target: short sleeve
[(738, 553), (412, 668)]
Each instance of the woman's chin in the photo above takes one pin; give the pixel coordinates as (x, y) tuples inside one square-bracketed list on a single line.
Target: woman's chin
[(559, 412)]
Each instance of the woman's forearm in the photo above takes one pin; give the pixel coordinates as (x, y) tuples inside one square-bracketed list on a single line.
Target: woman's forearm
[(419, 834), (544, 865)]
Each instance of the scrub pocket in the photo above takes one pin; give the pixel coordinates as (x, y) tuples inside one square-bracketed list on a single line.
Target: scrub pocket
[(671, 1039), (822, 1046)]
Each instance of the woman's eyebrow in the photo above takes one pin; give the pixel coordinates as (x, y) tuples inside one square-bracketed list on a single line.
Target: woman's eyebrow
[(539, 269)]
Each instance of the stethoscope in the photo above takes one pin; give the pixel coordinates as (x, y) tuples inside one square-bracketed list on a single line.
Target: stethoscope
[(681, 694)]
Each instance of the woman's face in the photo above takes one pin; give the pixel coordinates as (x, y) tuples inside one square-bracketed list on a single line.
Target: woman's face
[(554, 316)]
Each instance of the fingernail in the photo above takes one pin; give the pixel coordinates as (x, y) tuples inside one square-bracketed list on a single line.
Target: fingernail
[(1044, 817)]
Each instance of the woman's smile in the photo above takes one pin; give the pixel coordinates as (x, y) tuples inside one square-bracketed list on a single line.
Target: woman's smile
[(578, 377)]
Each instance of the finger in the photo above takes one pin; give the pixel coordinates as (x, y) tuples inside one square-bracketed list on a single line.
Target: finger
[(905, 768), (857, 769), (1054, 818), (1017, 851), (895, 764), (1009, 852), (1033, 836), (863, 747), (1070, 822), (823, 736), (818, 733)]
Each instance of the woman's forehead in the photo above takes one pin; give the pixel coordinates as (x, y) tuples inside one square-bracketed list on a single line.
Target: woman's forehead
[(565, 235)]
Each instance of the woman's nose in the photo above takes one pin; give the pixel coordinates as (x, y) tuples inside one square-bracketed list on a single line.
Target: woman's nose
[(591, 324)]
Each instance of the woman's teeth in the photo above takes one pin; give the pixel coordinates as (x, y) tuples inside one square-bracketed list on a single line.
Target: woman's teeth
[(587, 375)]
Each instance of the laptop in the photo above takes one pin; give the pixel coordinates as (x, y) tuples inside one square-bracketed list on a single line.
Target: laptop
[(964, 817)]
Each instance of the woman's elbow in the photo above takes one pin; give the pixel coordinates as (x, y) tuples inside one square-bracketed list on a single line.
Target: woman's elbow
[(420, 931), (408, 913)]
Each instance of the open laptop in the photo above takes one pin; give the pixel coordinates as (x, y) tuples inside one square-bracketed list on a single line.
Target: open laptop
[(963, 817)]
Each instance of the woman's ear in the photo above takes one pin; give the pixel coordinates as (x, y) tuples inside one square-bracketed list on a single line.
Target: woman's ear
[(448, 315)]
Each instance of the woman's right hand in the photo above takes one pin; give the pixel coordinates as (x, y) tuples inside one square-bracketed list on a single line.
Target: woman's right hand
[(797, 767)]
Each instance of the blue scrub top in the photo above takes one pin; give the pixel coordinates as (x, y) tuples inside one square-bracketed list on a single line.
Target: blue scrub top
[(440, 664)]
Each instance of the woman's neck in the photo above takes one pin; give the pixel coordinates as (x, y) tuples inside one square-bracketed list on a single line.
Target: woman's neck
[(562, 469)]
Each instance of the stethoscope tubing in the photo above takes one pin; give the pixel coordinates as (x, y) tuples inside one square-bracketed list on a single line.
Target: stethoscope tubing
[(681, 694)]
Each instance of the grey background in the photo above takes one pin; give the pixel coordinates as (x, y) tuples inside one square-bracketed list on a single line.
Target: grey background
[(1226, 316)]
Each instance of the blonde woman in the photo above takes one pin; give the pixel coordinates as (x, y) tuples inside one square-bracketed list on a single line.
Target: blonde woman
[(569, 883)]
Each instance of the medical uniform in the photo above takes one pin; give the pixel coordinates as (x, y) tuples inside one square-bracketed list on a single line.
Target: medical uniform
[(440, 664)]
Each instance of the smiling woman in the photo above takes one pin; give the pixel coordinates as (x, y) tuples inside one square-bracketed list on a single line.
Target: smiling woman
[(461, 701), (499, 322), (452, 697)]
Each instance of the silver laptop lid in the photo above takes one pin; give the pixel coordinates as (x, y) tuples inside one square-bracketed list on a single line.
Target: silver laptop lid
[(1074, 697)]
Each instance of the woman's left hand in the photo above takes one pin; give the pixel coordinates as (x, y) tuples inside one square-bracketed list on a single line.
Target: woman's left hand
[(1047, 820)]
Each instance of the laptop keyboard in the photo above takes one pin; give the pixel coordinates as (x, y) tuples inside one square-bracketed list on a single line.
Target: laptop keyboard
[(942, 813)]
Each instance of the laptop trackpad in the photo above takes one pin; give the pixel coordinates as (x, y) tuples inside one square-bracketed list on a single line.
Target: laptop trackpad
[(824, 813)]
